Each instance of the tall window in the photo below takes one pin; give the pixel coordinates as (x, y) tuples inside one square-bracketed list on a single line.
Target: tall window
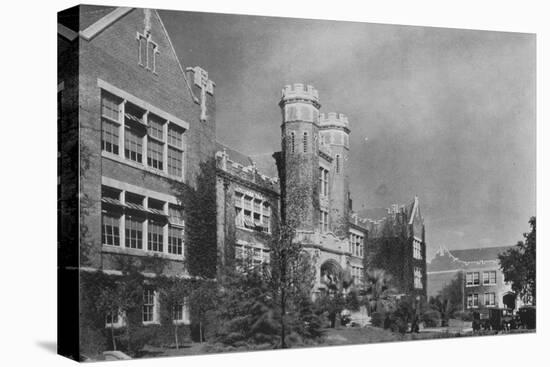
[(110, 122), (133, 144), (473, 300), (134, 232), (147, 52), (148, 310), (175, 162), (472, 279), (180, 313), (110, 107), (489, 299), (292, 142), (338, 163), (323, 221), (110, 230), (175, 151), (154, 236), (323, 181), (305, 142), (489, 277), (418, 278), (417, 249), (155, 153), (175, 240)]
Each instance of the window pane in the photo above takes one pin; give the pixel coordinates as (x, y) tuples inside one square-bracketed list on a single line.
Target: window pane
[(175, 162)]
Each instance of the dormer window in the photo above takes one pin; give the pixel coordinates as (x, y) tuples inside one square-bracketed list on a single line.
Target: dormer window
[(147, 51)]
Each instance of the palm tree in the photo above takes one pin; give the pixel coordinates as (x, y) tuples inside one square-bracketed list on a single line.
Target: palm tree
[(378, 288)]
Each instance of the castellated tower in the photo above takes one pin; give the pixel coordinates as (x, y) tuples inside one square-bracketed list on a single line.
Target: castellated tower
[(300, 131), (334, 133)]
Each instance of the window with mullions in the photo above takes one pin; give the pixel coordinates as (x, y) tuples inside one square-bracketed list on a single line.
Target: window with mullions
[(155, 127), (338, 163), (155, 153), (175, 240), (110, 106), (175, 162), (148, 305), (489, 277), (305, 142), (110, 234), (133, 144), (109, 136), (134, 232), (180, 313), (154, 236), (175, 136)]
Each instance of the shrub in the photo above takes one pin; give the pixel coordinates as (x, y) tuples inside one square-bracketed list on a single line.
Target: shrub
[(377, 319), (431, 318), (463, 315)]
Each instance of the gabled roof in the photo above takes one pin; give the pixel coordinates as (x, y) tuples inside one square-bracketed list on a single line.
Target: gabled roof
[(476, 254), (234, 155), (98, 18)]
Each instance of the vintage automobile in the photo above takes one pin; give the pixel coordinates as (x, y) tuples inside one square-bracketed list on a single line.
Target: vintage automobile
[(527, 317), (494, 319)]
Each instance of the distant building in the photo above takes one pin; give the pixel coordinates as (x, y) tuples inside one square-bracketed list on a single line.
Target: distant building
[(483, 281)]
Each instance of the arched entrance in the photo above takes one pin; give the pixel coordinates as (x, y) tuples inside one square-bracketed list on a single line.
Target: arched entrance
[(509, 300)]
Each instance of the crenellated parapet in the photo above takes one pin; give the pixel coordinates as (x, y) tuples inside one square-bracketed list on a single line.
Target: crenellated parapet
[(333, 120), (300, 92)]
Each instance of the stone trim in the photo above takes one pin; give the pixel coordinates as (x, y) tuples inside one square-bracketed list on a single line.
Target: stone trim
[(141, 103), (103, 23), (111, 182)]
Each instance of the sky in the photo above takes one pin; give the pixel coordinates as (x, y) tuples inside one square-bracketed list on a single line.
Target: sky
[(444, 114)]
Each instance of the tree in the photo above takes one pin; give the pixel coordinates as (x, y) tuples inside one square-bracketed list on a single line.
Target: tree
[(172, 296), (291, 275), (202, 300), (378, 287), (519, 264)]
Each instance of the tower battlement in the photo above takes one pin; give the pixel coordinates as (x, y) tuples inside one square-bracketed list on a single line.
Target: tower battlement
[(300, 91), (333, 118)]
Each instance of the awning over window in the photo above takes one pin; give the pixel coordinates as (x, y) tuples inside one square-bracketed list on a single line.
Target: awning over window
[(112, 201), (134, 118), (136, 207)]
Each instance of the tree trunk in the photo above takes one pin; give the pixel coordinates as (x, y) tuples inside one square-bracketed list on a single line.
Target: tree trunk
[(200, 331), (113, 336), (283, 312), (176, 335)]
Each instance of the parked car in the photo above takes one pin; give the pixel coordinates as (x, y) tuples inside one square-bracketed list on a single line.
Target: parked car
[(528, 316)]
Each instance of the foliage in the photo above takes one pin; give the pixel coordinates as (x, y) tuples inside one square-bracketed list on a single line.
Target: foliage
[(431, 318), (245, 310), (463, 315), (377, 318), (290, 276), (199, 203), (378, 290), (450, 298), (519, 264), (203, 300)]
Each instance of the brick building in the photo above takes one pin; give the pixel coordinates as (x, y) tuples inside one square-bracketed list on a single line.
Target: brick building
[(483, 281), (137, 136)]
